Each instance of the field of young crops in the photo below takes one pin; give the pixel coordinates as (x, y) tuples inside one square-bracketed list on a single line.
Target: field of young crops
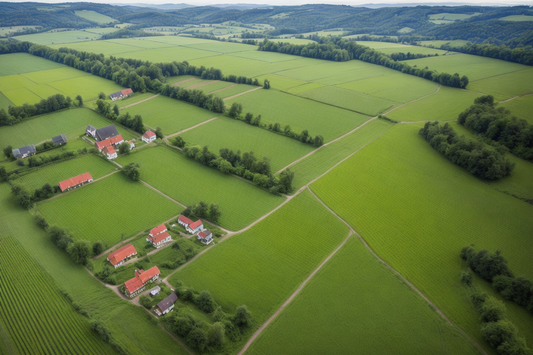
[(506, 86), (58, 37), (520, 107), (72, 123), (37, 317), (352, 310), (389, 48), (118, 208), (190, 182), (20, 63), (228, 133), (419, 212), (264, 265), (95, 16), (5, 102)]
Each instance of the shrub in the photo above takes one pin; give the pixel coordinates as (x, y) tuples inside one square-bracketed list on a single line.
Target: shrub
[(197, 339), (205, 302), (243, 317)]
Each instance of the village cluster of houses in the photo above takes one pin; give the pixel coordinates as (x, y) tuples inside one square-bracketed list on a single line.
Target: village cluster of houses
[(107, 139), (203, 235), (29, 150)]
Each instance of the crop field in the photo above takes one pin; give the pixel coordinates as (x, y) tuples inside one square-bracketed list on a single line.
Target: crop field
[(135, 207), (264, 265), (437, 44), (129, 325), (106, 47), (170, 54), (506, 86), (236, 135), (101, 30), (20, 63), (517, 18), (189, 182), (351, 275), (389, 48), (37, 317), (223, 47), (234, 90), (170, 114), (216, 86), (520, 107), (12, 29), (58, 37), (283, 83), (5, 102), (53, 174), (72, 123), (418, 185), (95, 16), (52, 75), (87, 86), (450, 101), (299, 113), (445, 18)]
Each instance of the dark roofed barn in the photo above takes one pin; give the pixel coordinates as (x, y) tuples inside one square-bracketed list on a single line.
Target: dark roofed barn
[(166, 305), (90, 131), (24, 152), (105, 133), (58, 140), (115, 95)]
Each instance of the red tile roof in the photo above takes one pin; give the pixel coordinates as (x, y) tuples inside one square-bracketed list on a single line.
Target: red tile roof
[(121, 253), (133, 285), (159, 229), (159, 237), (76, 180), (127, 91), (109, 150), (203, 234), (145, 276), (148, 134), (109, 141), (184, 219), (196, 224)]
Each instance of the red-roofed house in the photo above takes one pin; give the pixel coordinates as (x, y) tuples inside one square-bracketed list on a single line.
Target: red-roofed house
[(159, 229), (117, 257), (136, 285), (116, 140), (120, 94), (195, 227), (184, 221), (131, 145), (110, 152), (76, 181), (205, 236), (149, 136), (159, 239), (126, 92)]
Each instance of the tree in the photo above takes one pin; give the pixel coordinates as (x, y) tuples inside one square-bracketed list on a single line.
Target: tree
[(41, 222), (492, 310), (131, 171), (318, 141), (197, 339), (217, 105), (231, 331), (235, 110), (200, 210), (215, 336), (101, 96), (98, 248), (304, 136), (285, 181), (3, 173), (8, 151), (214, 213), (179, 142), (79, 251), (248, 117), (266, 84), (243, 317), (80, 100), (124, 148), (205, 302), (496, 333), (99, 328), (182, 326), (225, 166), (116, 110), (466, 278), (159, 133)]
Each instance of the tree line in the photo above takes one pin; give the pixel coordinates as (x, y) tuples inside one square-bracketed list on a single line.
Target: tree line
[(202, 210), (17, 114), (135, 123), (478, 159), (518, 55), (339, 49), (497, 124), (406, 56), (195, 97)]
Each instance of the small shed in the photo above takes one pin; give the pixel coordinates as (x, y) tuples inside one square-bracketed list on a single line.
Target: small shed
[(155, 291), (59, 140)]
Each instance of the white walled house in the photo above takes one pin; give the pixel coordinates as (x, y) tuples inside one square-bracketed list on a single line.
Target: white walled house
[(149, 136)]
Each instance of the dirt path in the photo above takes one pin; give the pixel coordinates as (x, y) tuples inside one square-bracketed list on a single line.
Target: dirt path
[(512, 98), (138, 102), (188, 129), (162, 194), (212, 92), (242, 93), (410, 102), (201, 84), (183, 81)]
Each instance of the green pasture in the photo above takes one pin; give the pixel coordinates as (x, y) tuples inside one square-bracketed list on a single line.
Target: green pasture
[(294, 40), (228, 133), (52, 75), (141, 42), (22, 96), (130, 325), (55, 173), (58, 37), (170, 54), (264, 265), (132, 99), (71, 122), (520, 107), (449, 18), (170, 114), (332, 73), (177, 40), (389, 48), (282, 83), (449, 101), (5, 102), (223, 47), (324, 159), (190, 182), (319, 119), (506, 86), (105, 47), (20, 63), (215, 86), (355, 300), (405, 30), (234, 90), (421, 210), (94, 16), (303, 88), (4, 30), (196, 81), (87, 86), (101, 30), (174, 80), (119, 208), (37, 317), (517, 18), (349, 99), (438, 43)]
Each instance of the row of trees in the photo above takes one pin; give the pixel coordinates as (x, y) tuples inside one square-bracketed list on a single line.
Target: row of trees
[(406, 56), (493, 268), (339, 49), (477, 158), (518, 55), (497, 124), (195, 97), (202, 210), (135, 123)]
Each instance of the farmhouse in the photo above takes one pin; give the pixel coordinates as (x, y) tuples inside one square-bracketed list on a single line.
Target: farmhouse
[(184, 221), (105, 133), (166, 305), (158, 236), (75, 182), (58, 140), (120, 94), (159, 229), (195, 227), (118, 257), (110, 152), (136, 285), (131, 145), (205, 236), (109, 142), (149, 136), (24, 152)]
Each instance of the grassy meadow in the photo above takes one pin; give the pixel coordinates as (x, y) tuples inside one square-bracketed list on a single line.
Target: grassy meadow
[(419, 212), (390, 48), (62, 37), (506, 86), (264, 265), (520, 107), (20, 63), (358, 311), (94, 16), (118, 208)]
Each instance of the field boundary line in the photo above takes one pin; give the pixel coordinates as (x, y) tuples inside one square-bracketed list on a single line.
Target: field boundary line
[(188, 129), (138, 102), (201, 84), (164, 195), (293, 295), (407, 282), (227, 87), (410, 102), (183, 81), (516, 97), (242, 93)]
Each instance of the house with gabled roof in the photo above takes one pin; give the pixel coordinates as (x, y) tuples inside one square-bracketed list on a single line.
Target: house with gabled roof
[(105, 133), (160, 239), (59, 140), (195, 227), (137, 284), (90, 131), (166, 305), (109, 142), (119, 256), (205, 236), (24, 152), (109, 152), (184, 221), (149, 136), (159, 229), (75, 182), (120, 94)]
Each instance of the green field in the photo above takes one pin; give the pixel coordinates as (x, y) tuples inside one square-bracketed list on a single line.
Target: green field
[(264, 265), (445, 18), (419, 212), (234, 90), (437, 44), (170, 114), (299, 113), (53, 174), (37, 317), (389, 48), (20, 63), (520, 107), (12, 29), (344, 304), (118, 209), (95, 16), (59, 37), (189, 182), (236, 135), (5, 102), (517, 18), (506, 86), (72, 123)]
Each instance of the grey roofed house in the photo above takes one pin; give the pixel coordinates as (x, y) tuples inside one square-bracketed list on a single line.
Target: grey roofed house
[(58, 140), (164, 306), (105, 132), (90, 131), (115, 94), (24, 151)]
